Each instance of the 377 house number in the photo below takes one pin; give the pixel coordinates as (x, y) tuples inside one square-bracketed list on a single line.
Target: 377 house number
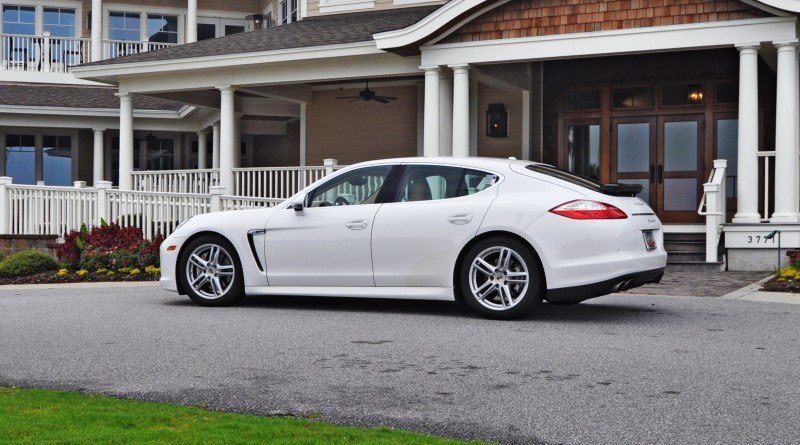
[(759, 239)]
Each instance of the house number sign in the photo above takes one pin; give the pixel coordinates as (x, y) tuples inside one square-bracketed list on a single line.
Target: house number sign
[(755, 240)]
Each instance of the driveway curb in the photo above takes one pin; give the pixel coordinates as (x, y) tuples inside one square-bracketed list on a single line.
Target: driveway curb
[(101, 285)]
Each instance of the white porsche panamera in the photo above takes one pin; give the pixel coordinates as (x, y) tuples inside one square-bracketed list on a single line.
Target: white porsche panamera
[(499, 235)]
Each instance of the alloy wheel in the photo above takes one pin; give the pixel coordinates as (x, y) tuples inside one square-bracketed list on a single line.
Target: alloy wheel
[(210, 271), (498, 278)]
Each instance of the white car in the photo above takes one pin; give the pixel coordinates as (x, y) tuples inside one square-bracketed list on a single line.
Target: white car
[(499, 235)]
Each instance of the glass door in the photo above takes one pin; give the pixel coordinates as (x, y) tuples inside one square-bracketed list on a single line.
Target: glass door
[(679, 173), (634, 155), (583, 147)]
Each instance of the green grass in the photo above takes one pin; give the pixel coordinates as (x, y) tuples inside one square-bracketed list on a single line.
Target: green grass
[(33, 416)]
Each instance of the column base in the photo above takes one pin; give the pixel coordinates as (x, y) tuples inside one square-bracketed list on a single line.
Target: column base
[(788, 217), (746, 218)]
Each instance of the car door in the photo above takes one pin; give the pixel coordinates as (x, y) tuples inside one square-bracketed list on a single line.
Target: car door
[(419, 231), (328, 242)]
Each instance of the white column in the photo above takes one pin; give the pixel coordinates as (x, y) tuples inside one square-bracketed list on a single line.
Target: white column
[(445, 113), (786, 161), (473, 117), (202, 149), (97, 30), (125, 141), (526, 125), (460, 110), (430, 128), (191, 22), (215, 145), (747, 180), (227, 137), (98, 162), (303, 130)]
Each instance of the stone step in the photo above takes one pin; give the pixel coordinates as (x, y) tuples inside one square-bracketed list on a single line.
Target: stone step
[(685, 246), (688, 256), (685, 237)]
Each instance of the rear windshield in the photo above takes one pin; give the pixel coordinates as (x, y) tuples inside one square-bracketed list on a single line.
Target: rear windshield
[(572, 178)]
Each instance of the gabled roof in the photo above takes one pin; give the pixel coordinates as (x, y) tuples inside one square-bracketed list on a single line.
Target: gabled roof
[(70, 96), (309, 32)]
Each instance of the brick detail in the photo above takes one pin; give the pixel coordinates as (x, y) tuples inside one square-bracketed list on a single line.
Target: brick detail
[(15, 243), (530, 18)]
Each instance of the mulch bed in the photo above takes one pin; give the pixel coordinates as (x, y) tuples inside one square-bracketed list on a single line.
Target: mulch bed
[(774, 285), (72, 277)]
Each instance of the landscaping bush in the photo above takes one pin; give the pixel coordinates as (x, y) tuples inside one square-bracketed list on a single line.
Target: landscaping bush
[(26, 262), (110, 247)]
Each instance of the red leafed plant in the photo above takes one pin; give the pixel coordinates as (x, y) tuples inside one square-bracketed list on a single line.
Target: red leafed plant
[(108, 246)]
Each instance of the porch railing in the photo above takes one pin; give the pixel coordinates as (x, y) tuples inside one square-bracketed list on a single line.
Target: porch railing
[(43, 210), (768, 165), (279, 182), (43, 53), (118, 48), (176, 181), (712, 206)]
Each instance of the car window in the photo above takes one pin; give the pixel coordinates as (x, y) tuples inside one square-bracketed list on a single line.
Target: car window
[(359, 186), (432, 182)]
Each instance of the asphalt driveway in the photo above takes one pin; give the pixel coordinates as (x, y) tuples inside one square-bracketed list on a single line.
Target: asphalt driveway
[(620, 369)]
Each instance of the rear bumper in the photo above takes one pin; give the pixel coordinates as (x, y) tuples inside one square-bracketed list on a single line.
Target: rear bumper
[(586, 291)]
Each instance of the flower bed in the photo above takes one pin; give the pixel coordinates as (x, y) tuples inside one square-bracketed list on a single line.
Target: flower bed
[(75, 277)]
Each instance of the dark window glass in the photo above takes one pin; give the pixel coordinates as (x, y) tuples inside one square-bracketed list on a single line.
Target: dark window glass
[(160, 154), (583, 150), (233, 29), (359, 186), (633, 97), (682, 94), (57, 160), (206, 31), (727, 93), (21, 158), (580, 100)]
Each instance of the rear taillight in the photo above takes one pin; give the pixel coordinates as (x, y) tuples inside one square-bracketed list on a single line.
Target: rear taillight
[(584, 209)]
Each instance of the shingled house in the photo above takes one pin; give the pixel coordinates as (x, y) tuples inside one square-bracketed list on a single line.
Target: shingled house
[(651, 92)]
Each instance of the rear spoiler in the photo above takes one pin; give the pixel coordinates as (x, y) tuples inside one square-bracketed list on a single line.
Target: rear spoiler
[(621, 189)]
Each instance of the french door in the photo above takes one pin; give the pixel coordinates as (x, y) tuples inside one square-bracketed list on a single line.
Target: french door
[(666, 156)]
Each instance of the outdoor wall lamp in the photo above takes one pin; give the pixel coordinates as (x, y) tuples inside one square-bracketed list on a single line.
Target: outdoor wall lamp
[(497, 121)]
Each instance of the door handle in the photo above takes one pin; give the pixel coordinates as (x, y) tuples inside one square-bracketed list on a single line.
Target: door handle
[(652, 174), (660, 174), (460, 219), (357, 224)]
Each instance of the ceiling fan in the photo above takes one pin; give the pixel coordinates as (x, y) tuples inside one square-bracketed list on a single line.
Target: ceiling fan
[(367, 95)]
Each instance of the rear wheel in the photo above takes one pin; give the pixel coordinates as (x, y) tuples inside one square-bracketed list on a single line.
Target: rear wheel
[(501, 278), (210, 272)]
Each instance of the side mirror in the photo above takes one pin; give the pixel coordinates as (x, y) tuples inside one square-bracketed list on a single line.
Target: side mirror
[(299, 204)]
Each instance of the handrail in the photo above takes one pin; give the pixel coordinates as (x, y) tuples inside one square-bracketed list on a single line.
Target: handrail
[(714, 199)]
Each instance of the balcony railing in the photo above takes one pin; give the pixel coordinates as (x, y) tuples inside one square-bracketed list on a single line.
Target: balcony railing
[(49, 54)]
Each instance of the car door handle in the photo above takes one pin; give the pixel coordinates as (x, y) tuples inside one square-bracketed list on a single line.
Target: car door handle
[(460, 219), (357, 224)]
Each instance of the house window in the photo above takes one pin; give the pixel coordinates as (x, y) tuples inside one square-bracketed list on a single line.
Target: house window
[(583, 100), (162, 28), (21, 158), (682, 94), (633, 97), (288, 10), (20, 20), (160, 153), (124, 26), (57, 160), (583, 150), (59, 22)]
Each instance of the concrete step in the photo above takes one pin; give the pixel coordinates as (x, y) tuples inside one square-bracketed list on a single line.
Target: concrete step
[(695, 266), (685, 246), (685, 237), (688, 256)]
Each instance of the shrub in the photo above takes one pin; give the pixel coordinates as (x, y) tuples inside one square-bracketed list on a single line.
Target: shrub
[(26, 262), (110, 247)]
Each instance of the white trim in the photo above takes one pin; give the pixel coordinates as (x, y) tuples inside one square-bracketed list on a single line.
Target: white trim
[(228, 60), (414, 2), (89, 112), (625, 41), (430, 24), (766, 8), (44, 77), (329, 6), (786, 5)]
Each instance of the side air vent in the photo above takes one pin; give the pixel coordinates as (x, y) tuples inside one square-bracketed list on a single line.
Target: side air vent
[(251, 240)]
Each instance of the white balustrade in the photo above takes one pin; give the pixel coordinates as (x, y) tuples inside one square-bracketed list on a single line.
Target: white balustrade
[(176, 181), (274, 182), (43, 53), (154, 212), (712, 206), (118, 48), (38, 210), (246, 202)]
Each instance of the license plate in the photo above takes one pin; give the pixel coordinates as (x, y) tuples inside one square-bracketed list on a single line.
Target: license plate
[(649, 240)]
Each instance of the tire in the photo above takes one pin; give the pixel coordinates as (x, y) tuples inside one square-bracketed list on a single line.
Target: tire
[(513, 288), (566, 302), (219, 282)]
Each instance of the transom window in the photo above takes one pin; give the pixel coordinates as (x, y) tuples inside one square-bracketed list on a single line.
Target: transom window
[(356, 187), (432, 182), (59, 22), (20, 20)]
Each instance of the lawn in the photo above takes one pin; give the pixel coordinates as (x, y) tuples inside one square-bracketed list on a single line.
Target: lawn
[(33, 416)]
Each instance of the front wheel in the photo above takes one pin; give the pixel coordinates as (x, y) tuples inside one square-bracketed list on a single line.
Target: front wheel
[(501, 278), (210, 272)]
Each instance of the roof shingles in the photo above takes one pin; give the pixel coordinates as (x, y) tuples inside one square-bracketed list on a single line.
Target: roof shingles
[(68, 96), (309, 32)]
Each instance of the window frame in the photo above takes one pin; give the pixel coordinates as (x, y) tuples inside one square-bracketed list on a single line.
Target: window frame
[(143, 11), (39, 152), (40, 5), (388, 185)]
